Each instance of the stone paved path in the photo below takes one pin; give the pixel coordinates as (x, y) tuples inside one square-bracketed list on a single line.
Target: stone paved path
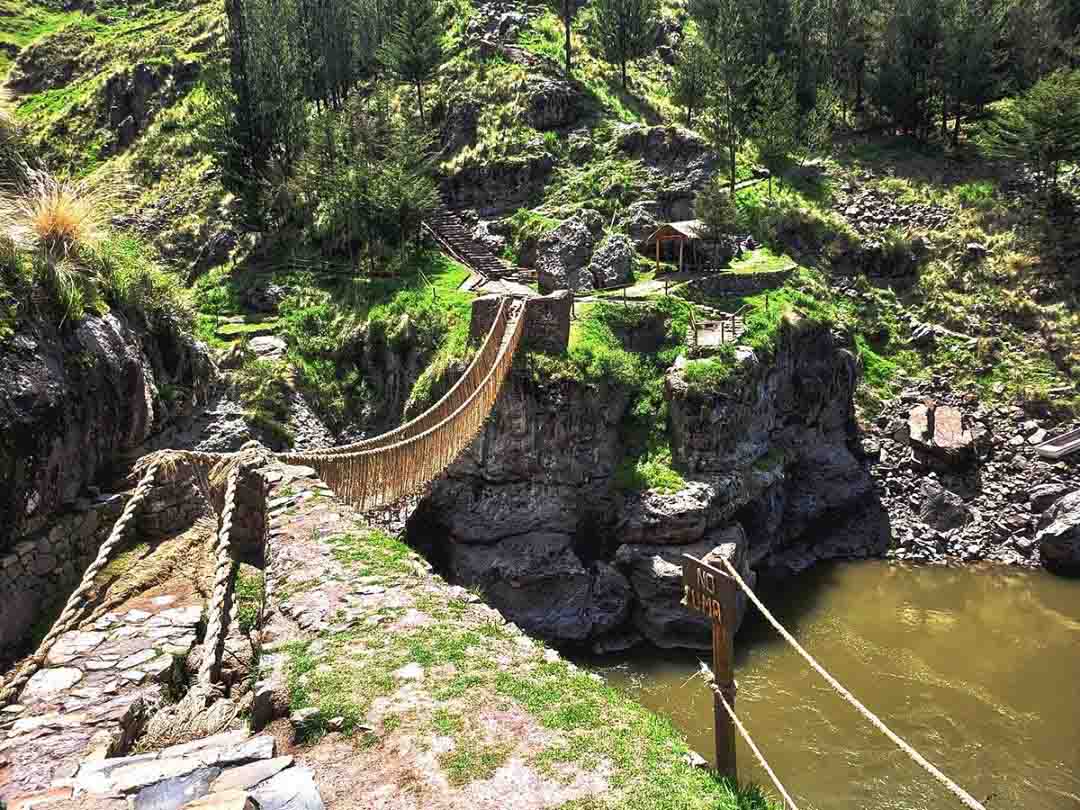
[(97, 687)]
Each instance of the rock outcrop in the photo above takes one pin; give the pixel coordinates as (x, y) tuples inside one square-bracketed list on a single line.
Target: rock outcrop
[(613, 262), (73, 399), (563, 255), (532, 516), (1059, 538)]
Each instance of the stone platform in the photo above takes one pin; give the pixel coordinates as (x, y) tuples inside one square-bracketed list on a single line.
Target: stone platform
[(96, 690)]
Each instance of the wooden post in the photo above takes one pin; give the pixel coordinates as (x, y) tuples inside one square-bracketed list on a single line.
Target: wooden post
[(723, 654), (710, 591)]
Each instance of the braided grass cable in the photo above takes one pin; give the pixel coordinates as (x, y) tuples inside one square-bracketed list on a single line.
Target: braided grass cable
[(224, 570), (372, 479), (73, 608), (874, 720), (447, 405)]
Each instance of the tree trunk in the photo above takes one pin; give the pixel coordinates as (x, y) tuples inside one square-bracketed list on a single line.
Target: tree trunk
[(420, 102), (956, 131), (566, 22), (623, 74), (731, 158)]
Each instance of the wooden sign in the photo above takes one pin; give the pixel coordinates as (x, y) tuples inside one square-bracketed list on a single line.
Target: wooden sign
[(710, 591), (703, 588)]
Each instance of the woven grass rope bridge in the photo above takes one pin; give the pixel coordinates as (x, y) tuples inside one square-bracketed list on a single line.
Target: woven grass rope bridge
[(372, 474)]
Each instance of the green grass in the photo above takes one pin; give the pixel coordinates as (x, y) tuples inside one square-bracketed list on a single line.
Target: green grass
[(372, 553), (598, 354), (473, 665), (234, 330), (21, 23), (249, 593), (761, 260)]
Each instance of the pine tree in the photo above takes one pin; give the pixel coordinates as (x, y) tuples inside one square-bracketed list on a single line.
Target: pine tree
[(412, 50), (909, 50), (691, 79), (726, 113), (968, 78), (775, 117), (625, 30), (565, 9), (1041, 127)]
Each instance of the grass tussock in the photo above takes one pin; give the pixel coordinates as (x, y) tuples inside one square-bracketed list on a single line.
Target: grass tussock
[(56, 240), (57, 216)]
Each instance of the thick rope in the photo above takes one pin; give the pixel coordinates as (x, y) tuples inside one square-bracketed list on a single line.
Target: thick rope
[(710, 679), (73, 609), (875, 721), (374, 478), (224, 569)]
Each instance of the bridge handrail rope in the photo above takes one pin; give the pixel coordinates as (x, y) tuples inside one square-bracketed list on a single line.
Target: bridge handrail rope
[(710, 679), (69, 618), (874, 720), (217, 625), (449, 402), (371, 478)]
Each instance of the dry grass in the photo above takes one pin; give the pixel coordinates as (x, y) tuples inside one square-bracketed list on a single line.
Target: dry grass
[(56, 216)]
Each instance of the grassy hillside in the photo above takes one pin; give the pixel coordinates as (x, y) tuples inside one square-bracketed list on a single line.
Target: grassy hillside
[(994, 272)]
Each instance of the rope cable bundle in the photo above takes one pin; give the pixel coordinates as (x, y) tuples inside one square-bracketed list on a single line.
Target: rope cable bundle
[(224, 569), (874, 720)]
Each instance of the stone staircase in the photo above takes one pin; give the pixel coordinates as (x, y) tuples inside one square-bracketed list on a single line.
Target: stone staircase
[(456, 239)]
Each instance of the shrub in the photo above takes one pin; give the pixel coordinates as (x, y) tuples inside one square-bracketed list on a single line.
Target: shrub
[(976, 194)]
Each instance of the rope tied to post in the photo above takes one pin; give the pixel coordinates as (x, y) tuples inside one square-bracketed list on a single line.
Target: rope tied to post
[(874, 720), (710, 679)]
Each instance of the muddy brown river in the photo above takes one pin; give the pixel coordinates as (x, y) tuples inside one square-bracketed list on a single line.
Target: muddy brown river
[(978, 668)]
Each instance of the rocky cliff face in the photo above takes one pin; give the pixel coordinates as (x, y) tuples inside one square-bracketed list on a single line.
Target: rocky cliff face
[(531, 514), (72, 399)]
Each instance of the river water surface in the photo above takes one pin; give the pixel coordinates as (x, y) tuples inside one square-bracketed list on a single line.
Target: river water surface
[(978, 669)]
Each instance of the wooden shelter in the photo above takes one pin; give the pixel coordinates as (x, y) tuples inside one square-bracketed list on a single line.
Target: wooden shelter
[(686, 235)]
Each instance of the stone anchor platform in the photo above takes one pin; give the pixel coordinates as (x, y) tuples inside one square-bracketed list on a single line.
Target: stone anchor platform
[(97, 688)]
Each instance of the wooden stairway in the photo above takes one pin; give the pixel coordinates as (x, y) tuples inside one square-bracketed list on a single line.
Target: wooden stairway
[(454, 237)]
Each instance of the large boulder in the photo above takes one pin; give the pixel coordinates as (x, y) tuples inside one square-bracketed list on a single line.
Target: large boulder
[(563, 256), (613, 262), (640, 221), (538, 582), (938, 434), (552, 103), (655, 574), (941, 509), (661, 519), (1059, 535)]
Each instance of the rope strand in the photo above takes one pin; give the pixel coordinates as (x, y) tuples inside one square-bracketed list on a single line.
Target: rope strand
[(710, 678), (874, 720)]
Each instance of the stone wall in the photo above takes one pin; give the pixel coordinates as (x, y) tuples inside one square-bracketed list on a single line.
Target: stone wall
[(547, 320), (731, 283), (45, 567), (49, 564)]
